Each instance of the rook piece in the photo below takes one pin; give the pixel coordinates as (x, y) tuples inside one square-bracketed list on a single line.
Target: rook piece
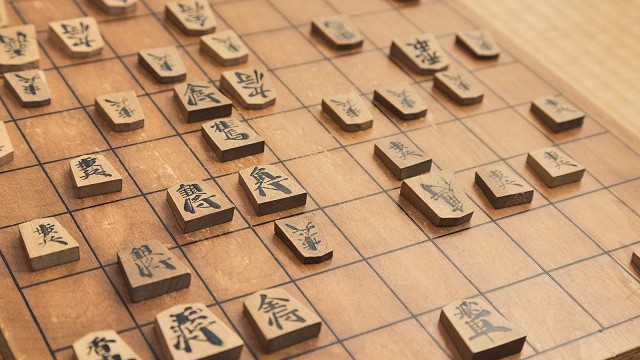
[(29, 86), (305, 237), (121, 110), (47, 243), (193, 17), (94, 175), (479, 42), (164, 64), (200, 100), (225, 47), (197, 206), (348, 111), (502, 187), (116, 7), (401, 100), (403, 160), (77, 37), (554, 167), (421, 53), (460, 86), (251, 87), (19, 48), (338, 30), (101, 345), (6, 148), (231, 139), (269, 190), (557, 115), (279, 320)]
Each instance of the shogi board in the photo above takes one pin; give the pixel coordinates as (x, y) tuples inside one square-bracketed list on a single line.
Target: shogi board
[(559, 268)]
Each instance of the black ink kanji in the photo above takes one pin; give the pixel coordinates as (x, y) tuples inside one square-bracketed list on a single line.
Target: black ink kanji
[(348, 107), (307, 236), (200, 93), (195, 197), (49, 233), (253, 82), (228, 128), (78, 33), (267, 181), (145, 261), (278, 311), (29, 84), (474, 314), (191, 324), (90, 167), (194, 14), (339, 29), (556, 160), (402, 150), (425, 53), (163, 61), (404, 97), (229, 43), (446, 193), (122, 107), (15, 46), (101, 347)]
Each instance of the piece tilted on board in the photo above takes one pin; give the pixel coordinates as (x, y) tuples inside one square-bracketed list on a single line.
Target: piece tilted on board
[(403, 159), (6, 147), (193, 332), (18, 48), (225, 48), (104, 344), (48, 243), (421, 53), (196, 206), (116, 7), (279, 320), (554, 167), (270, 191), (164, 64), (78, 37), (251, 87), (94, 175), (200, 100), (479, 332), (193, 17), (305, 237), (502, 187), (557, 115), (479, 42), (231, 139), (459, 85), (401, 99), (29, 87), (349, 111), (121, 110), (338, 30)]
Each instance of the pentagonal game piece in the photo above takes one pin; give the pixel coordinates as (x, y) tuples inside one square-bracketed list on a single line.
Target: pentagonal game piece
[(225, 47), (479, 42), (460, 86), (421, 53), (502, 187), (18, 48), (305, 237), (193, 17), (557, 115), (251, 87), (200, 100), (196, 206), (231, 139), (279, 320), (6, 147), (29, 87), (338, 30), (164, 64), (94, 175), (269, 190), (348, 111), (401, 100), (77, 37), (47, 243), (554, 167), (401, 158), (100, 345), (116, 7), (120, 110)]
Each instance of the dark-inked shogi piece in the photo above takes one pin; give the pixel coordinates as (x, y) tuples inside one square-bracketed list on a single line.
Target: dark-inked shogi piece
[(225, 48), (164, 64), (193, 17), (196, 206), (554, 167), (460, 86), (231, 139), (251, 87), (401, 100), (270, 191), (78, 37), (122, 110), (93, 175), (200, 100), (6, 147), (337, 30), (29, 87), (103, 345), (557, 115), (479, 42), (47, 243), (18, 48), (348, 111), (403, 159), (305, 237), (502, 187), (421, 53)]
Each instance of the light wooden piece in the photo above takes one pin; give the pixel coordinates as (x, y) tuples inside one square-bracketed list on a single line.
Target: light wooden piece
[(101, 345), (78, 37), (6, 147), (29, 87), (150, 270), (554, 167), (348, 111), (116, 7), (439, 197), (231, 139), (196, 206), (4, 18), (163, 63), (122, 110), (269, 190), (402, 100), (479, 42), (635, 258), (421, 53), (401, 158), (93, 175), (200, 100), (47, 243), (18, 48), (557, 115), (305, 237), (337, 30), (459, 85), (225, 48), (251, 87), (479, 332), (502, 187), (193, 332), (193, 17), (279, 320)]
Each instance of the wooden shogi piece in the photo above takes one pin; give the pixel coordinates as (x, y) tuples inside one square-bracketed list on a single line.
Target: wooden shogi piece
[(231, 139), (19, 48), (193, 332), (100, 345), (279, 320), (78, 37), (116, 7), (337, 30), (635, 258), (554, 167), (502, 187), (4, 19), (251, 87), (421, 53), (151, 270), (6, 147), (439, 197), (93, 175), (200, 100), (557, 115), (479, 42), (193, 17), (47, 243), (479, 332), (459, 85), (402, 100), (270, 191), (196, 206), (29, 87), (348, 111), (305, 237), (225, 48), (164, 64), (122, 110), (401, 158)]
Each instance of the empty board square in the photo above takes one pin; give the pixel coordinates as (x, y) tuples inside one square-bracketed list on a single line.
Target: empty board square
[(48, 243), (150, 33), (401, 157), (507, 81), (41, 14), (299, 13), (358, 7), (231, 139), (309, 81), (196, 206), (381, 36), (200, 100), (370, 70), (629, 193), (269, 190), (94, 175), (282, 48), (22, 154), (437, 18), (336, 352), (235, 15)]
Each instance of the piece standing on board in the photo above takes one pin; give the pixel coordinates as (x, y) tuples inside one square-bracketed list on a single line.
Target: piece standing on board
[(305, 237), (193, 17), (349, 111), (78, 37), (196, 206), (164, 64), (121, 110), (231, 139), (101, 345), (401, 158), (635, 258), (19, 48), (94, 175), (479, 42), (338, 30), (401, 99), (554, 167), (4, 19), (269, 190), (421, 53), (557, 115), (460, 86), (251, 87), (116, 7), (48, 243), (225, 48), (6, 147), (200, 100), (502, 187), (29, 87)]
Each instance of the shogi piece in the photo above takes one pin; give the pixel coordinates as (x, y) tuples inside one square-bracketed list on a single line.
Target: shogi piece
[(402, 159), (196, 206), (29, 87), (122, 111), (116, 7), (251, 87), (6, 147), (305, 237), (164, 64), (4, 19), (78, 37), (47, 243), (402, 100), (193, 332), (279, 320), (479, 332), (151, 270), (479, 42), (100, 345), (554, 167), (557, 115), (193, 17), (502, 187), (439, 197), (337, 30), (421, 53), (200, 100), (348, 111), (460, 86), (225, 48), (635, 258), (93, 175), (270, 191), (18, 48), (231, 139)]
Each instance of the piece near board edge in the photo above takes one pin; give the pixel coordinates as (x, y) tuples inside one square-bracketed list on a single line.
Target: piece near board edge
[(116, 7), (460, 86), (103, 344), (93, 175), (421, 53), (479, 42), (337, 30), (200, 100), (502, 187), (30, 87), (48, 243), (78, 38), (6, 147), (554, 167), (225, 48), (164, 64), (269, 190), (305, 237), (193, 17), (251, 87), (401, 158), (196, 206), (349, 111), (401, 100), (20, 49), (231, 139), (121, 110), (557, 115)]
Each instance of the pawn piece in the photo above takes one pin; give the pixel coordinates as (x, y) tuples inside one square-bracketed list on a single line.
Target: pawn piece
[(479, 42), (502, 187), (121, 110), (279, 320), (421, 53), (554, 167), (401, 100), (94, 175), (225, 47), (403, 160), (305, 237), (439, 197), (29, 87), (251, 87), (466, 323), (47, 243), (78, 37), (105, 344), (197, 206), (231, 139), (6, 147), (200, 100), (19, 48), (193, 17), (116, 7), (460, 86), (270, 191), (164, 64), (338, 30), (557, 115), (199, 333), (348, 111)]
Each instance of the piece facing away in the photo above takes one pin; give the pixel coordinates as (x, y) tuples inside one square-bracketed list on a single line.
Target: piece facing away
[(305, 237), (121, 110), (164, 64), (251, 87), (337, 30), (460, 86), (29, 87), (557, 115), (116, 7), (47, 243), (348, 111), (421, 53), (193, 17), (401, 158), (104, 344), (479, 42), (554, 167), (231, 139), (93, 175), (19, 48), (502, 187), (270, 191), (78, 37), (6, 147), (401, 99), (197, 206), (200, 100), (225, 48)]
